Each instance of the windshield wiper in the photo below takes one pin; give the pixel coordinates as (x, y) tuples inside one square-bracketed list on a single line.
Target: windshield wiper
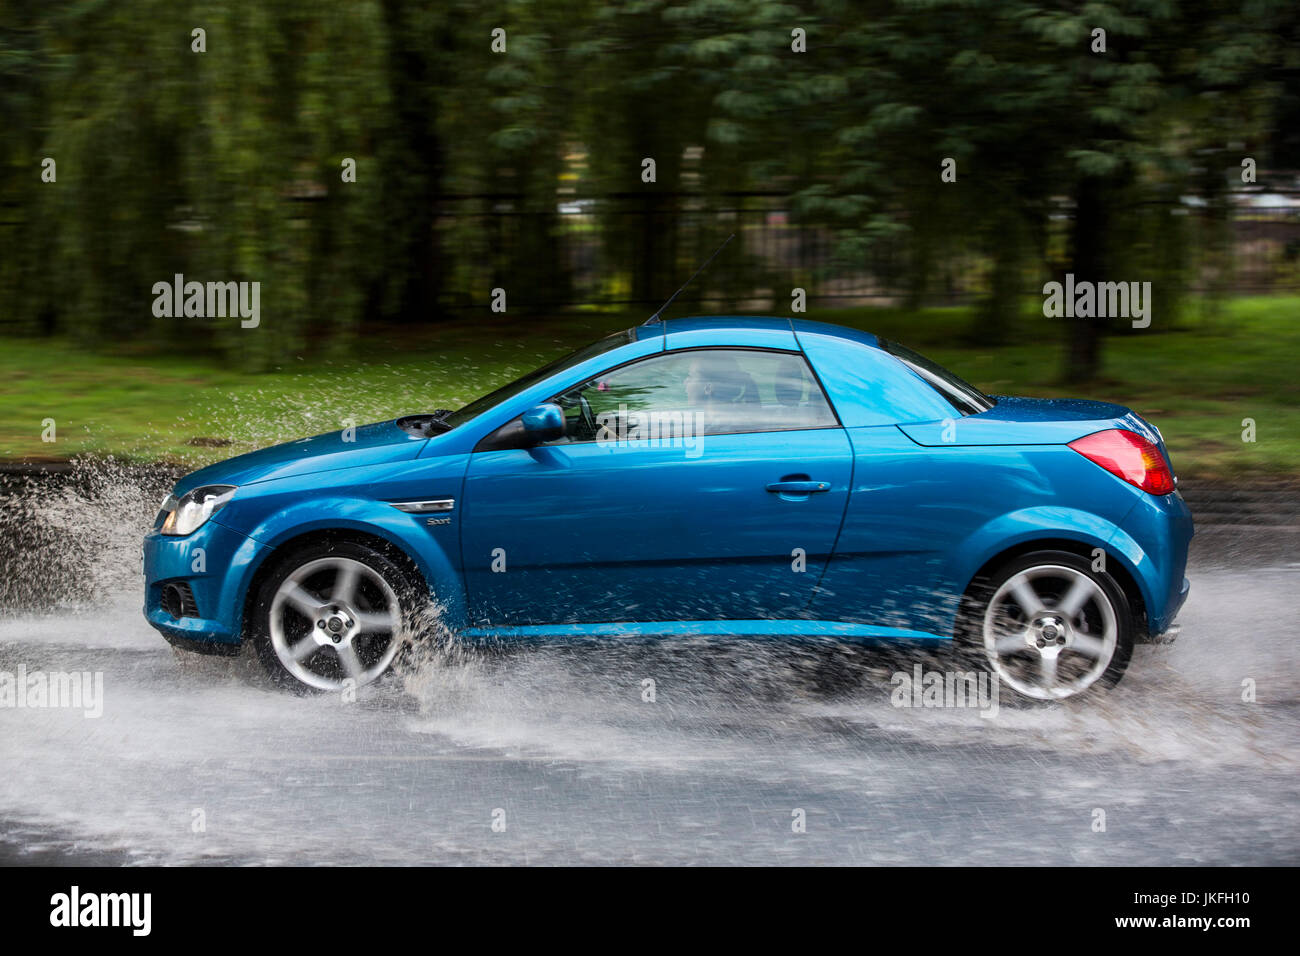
[(424, 425)]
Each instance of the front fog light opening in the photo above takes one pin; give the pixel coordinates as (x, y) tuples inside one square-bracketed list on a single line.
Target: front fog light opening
[(177, 599)]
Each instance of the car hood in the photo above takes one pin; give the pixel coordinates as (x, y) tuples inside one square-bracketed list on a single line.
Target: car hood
[(1030, 421), (364, 445)]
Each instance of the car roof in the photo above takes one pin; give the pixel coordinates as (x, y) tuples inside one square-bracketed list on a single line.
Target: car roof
[(759, 323)]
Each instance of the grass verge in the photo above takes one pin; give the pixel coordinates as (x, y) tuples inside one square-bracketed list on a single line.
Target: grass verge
[(1197, 381)]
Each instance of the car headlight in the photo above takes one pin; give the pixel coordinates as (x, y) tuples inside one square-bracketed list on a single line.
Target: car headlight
[(188, 514)]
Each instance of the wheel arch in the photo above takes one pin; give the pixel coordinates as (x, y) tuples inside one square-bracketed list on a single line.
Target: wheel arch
[(1116, 566), (438, 579)]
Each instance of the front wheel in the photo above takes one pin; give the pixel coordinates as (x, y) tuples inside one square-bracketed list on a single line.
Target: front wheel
[(1051, 627), (332, 613)]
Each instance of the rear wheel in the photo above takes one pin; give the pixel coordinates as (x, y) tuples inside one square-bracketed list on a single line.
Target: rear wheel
[(332, 613), (1050, 627)]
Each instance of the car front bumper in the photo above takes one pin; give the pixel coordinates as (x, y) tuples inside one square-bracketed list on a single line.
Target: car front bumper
[(213, 563)]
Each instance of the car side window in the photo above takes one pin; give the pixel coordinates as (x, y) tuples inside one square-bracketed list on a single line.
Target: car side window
[(705, 391)]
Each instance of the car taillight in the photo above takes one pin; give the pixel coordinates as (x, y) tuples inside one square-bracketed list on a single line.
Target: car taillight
[(1128, 456)]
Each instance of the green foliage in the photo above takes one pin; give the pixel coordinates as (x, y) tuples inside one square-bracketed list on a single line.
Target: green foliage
[(225, 165)]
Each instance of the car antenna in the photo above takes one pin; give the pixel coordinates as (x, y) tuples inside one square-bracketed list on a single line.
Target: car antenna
[(655, 318)]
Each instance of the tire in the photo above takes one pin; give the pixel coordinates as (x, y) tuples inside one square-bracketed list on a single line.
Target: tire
[(1075, 639), (353, 602)]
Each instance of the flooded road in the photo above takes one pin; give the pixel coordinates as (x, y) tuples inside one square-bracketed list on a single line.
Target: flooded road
[(748, 753)]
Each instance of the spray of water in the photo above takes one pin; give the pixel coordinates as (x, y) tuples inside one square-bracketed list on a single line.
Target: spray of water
[(294, 778)]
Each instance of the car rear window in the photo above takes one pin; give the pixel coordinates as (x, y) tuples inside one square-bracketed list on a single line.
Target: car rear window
[(962, 395)]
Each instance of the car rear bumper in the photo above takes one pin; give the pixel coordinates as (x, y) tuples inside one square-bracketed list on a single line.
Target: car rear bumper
[(1168, 637), (1161, 528)]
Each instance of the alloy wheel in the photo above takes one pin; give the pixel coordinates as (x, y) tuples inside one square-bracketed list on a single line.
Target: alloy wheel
[(335, 619), (1050, 631)]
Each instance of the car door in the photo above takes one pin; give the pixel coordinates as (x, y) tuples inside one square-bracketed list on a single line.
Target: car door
[(911, 506), (694, 484)]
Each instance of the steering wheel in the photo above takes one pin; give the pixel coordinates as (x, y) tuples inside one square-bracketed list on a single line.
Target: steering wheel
[(586, 426), (587, 415)]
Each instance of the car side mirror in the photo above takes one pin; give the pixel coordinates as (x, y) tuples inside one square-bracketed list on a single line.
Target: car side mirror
[(543, 422)]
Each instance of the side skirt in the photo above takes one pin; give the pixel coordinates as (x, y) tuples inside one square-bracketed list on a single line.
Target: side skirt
[(835, 630)]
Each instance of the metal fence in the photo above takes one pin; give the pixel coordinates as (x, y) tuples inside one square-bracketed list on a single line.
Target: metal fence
[(586, 251), (595, 252)]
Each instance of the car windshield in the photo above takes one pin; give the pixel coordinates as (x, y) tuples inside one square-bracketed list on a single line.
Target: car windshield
[(962, 395), (492, 399)]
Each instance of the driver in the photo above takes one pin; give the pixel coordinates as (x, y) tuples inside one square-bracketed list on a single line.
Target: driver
[(715, 384)]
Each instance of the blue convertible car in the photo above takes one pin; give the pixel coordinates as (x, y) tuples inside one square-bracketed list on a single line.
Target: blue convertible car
[(716, 476)]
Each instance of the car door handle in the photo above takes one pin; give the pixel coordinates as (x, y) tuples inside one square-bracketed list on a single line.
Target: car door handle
[(798, 487)]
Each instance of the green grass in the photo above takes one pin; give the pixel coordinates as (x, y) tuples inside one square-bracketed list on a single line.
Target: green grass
[(1197, 382)]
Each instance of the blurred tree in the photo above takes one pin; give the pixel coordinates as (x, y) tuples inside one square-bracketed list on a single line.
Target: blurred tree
[(420, 40), (1165, 63), (26, 247), (226, 164)]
